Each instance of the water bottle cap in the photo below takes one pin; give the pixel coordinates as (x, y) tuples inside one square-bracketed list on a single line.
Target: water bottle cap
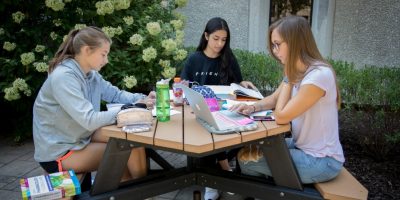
[(177, 79), (163, 81)]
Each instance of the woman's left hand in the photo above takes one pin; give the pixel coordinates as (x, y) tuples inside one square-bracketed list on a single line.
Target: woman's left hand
[(242, 108), (248, 84)]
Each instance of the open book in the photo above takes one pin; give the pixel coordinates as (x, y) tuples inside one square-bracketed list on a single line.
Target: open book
[(239, 90)]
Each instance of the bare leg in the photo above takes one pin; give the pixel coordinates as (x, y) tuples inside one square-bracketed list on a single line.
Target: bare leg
[(89, 158), (225, 165), (137, 164)]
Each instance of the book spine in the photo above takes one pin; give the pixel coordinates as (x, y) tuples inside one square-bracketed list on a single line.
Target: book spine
[(55, 194), (49, 185), (75, 181)]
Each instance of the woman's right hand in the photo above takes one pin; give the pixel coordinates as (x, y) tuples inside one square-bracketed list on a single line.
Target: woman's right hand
[(149, 100), (243, 108), (185, 82)]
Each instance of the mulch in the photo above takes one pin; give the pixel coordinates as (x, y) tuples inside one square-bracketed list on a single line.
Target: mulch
[(380, 177)]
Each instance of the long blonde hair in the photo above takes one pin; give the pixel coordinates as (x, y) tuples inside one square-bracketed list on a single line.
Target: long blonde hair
[(297, 34), (89, 36)]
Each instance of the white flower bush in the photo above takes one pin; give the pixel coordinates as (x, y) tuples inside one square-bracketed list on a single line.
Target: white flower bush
[(18, 17), (41, 66), (40, 48), (149, 54), (130, 81), (153, 28), (27, 58), (136, 39), (147, 40), (9, 46)]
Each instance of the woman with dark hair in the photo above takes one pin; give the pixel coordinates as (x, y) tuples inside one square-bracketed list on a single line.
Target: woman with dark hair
[(213, 63)]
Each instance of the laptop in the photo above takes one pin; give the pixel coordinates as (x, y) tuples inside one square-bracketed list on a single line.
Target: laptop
[(223, 121)]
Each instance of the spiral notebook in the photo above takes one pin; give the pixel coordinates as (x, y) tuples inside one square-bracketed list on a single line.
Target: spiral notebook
[(218, 122)]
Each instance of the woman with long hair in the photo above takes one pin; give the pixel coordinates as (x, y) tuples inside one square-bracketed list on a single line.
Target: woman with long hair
[(66, 112), (213, 63), (308, 98)]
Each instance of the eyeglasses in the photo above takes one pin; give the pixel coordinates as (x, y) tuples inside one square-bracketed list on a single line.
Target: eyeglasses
[(275, 47)]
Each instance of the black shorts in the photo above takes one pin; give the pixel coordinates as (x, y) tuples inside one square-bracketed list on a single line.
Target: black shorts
[(49, 167)]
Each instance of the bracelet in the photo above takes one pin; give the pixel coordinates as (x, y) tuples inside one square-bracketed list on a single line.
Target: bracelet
[(285, 79), (254, 107)]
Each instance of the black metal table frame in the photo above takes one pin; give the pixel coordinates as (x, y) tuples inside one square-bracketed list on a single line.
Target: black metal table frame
[(285, 185)]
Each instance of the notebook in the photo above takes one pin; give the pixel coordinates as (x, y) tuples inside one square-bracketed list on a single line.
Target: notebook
[(235, 91), (218, 122), (246, 92)]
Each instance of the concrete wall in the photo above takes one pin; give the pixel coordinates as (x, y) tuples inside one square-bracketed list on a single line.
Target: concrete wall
[(247, 21), (367, 32), (198, 12)]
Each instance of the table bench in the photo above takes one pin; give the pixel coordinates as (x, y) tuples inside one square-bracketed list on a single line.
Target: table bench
[(343, 187)]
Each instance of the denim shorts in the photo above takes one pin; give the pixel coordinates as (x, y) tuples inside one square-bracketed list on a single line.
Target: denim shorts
[(311, 169)]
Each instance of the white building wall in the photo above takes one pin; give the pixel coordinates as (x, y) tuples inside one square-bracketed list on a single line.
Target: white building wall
[(322, 25), (236, 13), (366, 32), (247, 21)]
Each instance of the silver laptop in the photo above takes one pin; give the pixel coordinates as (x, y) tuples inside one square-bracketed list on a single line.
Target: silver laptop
[(220, 120)]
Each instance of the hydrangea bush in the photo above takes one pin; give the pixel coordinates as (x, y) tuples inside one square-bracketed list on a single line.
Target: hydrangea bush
[(147, 41)]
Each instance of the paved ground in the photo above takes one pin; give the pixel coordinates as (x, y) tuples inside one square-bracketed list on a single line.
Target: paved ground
[(17, 162)]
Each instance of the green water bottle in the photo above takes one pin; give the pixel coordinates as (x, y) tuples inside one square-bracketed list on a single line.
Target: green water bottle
[(162, 102)]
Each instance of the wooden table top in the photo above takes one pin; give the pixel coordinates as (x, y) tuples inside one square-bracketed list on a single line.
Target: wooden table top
[(184, 133)]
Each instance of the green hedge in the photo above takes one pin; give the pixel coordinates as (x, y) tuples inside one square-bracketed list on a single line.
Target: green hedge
[(371, 86), (260, 69)]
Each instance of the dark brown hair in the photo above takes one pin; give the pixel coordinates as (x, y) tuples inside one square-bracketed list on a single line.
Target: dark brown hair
[(213, 25)]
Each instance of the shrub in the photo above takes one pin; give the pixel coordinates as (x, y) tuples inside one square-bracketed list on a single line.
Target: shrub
[(147, 42), (370, 95), (371, 87), (263, 71)]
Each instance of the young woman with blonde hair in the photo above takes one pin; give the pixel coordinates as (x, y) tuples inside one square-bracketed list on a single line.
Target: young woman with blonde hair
[(308, 98), (66, 113)]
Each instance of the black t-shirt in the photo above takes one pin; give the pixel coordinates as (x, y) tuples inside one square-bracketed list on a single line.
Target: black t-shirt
[(207, 71)]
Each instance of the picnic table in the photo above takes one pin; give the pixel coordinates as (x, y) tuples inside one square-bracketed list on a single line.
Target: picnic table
[(184, 135)]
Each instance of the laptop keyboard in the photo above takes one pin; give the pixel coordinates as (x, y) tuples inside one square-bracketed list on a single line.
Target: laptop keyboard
[(231, 119)]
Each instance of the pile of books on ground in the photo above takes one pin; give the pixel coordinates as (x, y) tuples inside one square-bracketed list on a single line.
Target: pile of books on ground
[(51, 186)]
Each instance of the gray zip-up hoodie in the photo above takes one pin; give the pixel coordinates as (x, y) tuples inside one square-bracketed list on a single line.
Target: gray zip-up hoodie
[(67, 110)]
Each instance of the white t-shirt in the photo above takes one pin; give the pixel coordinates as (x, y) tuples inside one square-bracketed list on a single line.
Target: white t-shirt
[(316, 131)]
